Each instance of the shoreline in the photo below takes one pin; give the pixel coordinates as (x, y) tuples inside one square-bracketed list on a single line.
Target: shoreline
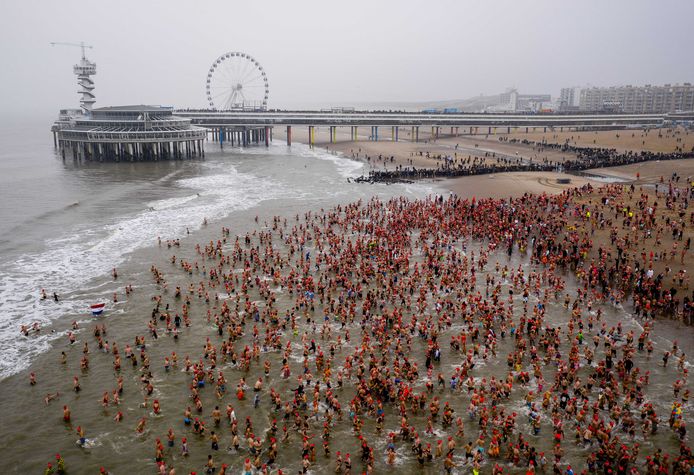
[(110, 440), (388, 155)]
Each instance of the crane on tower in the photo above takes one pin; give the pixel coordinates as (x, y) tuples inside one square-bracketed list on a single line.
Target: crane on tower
[(78, 45), (84, 70)]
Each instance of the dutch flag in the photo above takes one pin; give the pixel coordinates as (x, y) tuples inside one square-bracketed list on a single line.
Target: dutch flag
[(97, 308)]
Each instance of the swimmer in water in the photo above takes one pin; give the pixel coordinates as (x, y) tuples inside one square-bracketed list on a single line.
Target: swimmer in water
[(80, 433), (49, 397)]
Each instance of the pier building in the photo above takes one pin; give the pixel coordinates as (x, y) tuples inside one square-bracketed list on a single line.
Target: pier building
[(127, 133), (131, 133)]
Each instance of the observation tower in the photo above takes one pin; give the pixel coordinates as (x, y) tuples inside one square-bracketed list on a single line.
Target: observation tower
[(84, 72), (122, 133)]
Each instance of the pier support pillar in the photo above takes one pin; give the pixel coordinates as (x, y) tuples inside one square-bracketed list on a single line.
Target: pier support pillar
[(267, 136), (55, 142), (289, 135), (416, 134), (397, 133), (489, 131), (376, 133)]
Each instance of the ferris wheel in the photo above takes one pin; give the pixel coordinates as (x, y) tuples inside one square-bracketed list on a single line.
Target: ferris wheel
[(236, 81)]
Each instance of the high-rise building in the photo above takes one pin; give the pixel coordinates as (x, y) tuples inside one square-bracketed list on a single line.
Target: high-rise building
[(512, 101), (645, 99), (568, 98)]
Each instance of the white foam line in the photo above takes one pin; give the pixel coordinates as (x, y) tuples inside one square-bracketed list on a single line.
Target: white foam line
[(71, 261)]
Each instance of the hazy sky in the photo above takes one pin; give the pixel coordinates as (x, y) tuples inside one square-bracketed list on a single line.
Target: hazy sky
[(339, 52)]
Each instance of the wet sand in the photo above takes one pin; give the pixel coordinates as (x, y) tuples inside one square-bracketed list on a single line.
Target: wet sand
[(650, 172), (503, 185)]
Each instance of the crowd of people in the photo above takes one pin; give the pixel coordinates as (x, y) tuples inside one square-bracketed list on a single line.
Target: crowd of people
[(370, 325), (585, 158)]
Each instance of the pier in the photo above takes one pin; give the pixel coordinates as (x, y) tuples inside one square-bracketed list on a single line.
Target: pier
[(127, 133), (137, 133), (235, 126)]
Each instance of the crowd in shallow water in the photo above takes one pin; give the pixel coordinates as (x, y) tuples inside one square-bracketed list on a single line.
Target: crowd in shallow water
[(361, 303)]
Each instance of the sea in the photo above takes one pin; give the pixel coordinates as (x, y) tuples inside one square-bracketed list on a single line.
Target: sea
[(65, 225)]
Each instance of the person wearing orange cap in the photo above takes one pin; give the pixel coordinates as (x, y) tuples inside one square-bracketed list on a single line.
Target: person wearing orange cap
[(80, 433), (247, 467), (338, 462), (60, 462)]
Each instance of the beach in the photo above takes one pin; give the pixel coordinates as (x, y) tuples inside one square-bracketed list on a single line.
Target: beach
[(383, 321)]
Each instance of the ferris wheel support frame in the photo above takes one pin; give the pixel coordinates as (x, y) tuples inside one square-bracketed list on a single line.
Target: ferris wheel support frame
[(231, 102)]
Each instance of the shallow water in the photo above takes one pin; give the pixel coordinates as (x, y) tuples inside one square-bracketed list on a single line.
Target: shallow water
[(122, 210), (67, 224)]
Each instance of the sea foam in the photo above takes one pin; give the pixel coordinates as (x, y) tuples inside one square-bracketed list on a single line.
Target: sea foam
[(70, 262)]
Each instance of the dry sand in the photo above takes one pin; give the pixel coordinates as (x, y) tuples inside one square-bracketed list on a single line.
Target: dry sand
[(654, 140)]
